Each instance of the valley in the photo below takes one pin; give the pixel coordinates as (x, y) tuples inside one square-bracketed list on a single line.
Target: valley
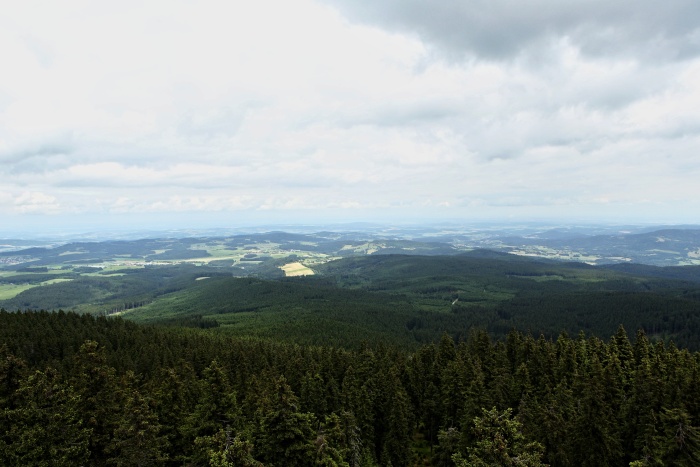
[(340, 288)]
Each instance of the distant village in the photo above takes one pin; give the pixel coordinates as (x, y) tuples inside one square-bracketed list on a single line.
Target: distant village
[(12, 260)]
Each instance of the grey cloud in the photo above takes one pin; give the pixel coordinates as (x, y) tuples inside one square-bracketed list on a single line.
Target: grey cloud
[(44, 150), (38, 158), (408, 114), (684, 130), (501, 29)]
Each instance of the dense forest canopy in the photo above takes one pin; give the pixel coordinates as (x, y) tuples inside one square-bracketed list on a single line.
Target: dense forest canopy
[(77, 389)]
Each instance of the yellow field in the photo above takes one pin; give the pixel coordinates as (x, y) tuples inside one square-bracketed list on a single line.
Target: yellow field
[(296, 269)]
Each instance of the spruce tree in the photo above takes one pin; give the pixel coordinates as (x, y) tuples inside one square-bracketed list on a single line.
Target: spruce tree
[(96, 384), (286, 435), (216, 409), (499, 441), (45, 427), (137, 439)]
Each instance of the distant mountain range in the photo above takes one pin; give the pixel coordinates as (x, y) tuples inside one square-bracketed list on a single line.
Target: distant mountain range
[(659, 246)]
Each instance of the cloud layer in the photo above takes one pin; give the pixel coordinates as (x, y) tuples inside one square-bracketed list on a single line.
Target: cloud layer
[(502, 30), (449, 109)]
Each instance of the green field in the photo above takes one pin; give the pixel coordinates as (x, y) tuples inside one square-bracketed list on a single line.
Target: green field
[(8, 291)]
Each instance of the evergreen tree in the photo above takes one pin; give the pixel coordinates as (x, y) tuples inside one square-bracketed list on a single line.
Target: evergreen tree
[(216, 409), (449, 444), (174, 397), (641, 407), (675, 441), (95, 382), (358, 396), (422, 387), (474, 398), (286, 435), (12, 369), (225, 450), (396, 413), (595, 440), (621, 346), (45, 427), (137, 439), (455, 378), (313, 394), (549, 421), (499, 441), (333, 445)]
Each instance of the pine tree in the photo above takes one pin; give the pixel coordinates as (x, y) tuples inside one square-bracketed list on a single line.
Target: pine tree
[(422, 387), (12, 370), (641, 408), (313, 394), (455, 377), (475, 397), (621, 346)]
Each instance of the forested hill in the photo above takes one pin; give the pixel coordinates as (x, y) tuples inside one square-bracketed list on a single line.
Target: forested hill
[(411, 300), (80, 390)]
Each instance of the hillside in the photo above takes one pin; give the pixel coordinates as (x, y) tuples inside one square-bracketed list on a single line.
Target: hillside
[(402, 286), (409, 300)]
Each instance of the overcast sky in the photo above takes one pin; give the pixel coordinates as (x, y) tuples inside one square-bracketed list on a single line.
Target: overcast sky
[(297, 110)]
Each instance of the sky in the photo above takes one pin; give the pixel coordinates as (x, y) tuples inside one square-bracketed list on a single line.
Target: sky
[(218, 113)]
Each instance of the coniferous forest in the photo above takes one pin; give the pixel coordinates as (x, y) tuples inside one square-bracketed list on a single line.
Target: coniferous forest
[(467, 359), (83, 390)]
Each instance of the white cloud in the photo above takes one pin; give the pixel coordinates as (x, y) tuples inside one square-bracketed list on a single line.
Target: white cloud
[(36, 202), (300, 106)]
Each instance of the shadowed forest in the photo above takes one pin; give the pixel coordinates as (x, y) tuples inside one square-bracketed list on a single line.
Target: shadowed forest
[(80, 390)]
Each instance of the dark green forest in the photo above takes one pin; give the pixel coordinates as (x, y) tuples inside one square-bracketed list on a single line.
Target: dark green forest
[(471, 359), (409, 301), (84, 390)]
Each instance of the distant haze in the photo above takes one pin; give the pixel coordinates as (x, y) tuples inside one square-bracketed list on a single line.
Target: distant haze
[(220, 113)]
